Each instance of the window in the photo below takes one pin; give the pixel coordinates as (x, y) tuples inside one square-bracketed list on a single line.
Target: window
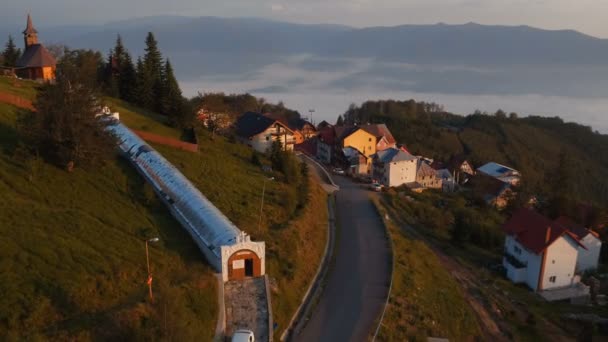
[(553, 261), (552, 279), (370, 139), (267, 138), (517, 250)]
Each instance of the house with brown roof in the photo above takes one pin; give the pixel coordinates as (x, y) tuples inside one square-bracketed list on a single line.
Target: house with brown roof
[(36, 63), (426, 176), (539, 252)]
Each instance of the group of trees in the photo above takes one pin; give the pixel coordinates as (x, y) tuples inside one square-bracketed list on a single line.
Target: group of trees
[(237, 104), (65, 130), (149, 82), (10, 54)]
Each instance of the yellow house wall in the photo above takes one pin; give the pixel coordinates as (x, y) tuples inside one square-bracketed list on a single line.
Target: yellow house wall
[(364, 142)]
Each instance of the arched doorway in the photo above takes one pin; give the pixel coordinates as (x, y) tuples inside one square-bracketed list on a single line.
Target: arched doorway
[(244, 263)]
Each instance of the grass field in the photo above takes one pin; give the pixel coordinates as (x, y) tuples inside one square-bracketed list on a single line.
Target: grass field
[(72, 262), (22, 88), (425, 300)]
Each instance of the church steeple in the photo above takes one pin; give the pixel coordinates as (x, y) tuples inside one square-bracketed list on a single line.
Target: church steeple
[(30, 35)]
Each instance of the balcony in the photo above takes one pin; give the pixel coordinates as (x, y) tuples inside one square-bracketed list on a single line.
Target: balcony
[(516, 270)]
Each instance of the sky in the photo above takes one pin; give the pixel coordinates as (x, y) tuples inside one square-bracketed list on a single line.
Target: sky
[(587, 16)]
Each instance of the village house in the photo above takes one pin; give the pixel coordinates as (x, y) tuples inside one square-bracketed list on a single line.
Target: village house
[(503, 173), (302, 129), (325, 144), (540, 253), (492, 191), (356, 161), (36, 63), (448, 183), (259, 132), (461, 169), (367, 139), (426, 176), (589, 256), (394, 167)]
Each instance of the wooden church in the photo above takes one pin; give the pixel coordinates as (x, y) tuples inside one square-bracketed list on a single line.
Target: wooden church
[(36, 63)]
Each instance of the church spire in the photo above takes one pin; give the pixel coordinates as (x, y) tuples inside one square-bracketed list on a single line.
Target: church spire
[(30, 34)]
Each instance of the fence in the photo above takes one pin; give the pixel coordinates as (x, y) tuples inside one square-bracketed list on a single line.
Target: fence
[(16, 101)]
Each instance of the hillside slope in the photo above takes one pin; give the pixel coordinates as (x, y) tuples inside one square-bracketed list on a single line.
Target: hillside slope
[(83, 254), (72, 259)]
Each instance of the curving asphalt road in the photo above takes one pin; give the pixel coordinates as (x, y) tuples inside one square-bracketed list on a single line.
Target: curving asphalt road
[(357, 284)]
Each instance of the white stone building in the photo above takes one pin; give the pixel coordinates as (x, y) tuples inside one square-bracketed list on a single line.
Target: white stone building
[(394, 167)]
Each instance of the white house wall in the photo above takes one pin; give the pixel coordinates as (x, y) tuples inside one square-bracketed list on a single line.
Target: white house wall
[(262, 142), (560, 262), (533, 262), (400, 172), (588, 258)]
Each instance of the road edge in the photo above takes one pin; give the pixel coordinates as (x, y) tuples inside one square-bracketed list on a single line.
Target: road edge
[(295, 324), (392, 260)]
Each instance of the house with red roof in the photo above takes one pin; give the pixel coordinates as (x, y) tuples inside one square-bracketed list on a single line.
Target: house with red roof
[(589, 256), (539, 252)]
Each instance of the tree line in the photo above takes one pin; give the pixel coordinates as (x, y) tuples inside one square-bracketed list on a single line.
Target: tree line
[(149, 82)]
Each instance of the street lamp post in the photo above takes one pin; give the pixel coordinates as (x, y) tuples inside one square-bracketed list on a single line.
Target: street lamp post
[(311, 111), (149, 281), (262, 205)]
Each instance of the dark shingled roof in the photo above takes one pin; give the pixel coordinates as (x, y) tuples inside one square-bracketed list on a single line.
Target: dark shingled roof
[(252, 123), (36, 56)]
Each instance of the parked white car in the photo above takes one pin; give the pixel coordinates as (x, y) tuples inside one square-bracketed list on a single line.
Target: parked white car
[(243, 335), (338, 171), (376, 187)]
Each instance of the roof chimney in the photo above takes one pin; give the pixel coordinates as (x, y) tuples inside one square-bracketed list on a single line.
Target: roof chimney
[(548, 237)]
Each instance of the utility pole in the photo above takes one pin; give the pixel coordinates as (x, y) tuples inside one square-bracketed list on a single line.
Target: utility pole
[(149, 281)]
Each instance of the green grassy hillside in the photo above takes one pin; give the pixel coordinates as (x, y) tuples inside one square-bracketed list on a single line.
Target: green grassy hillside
[(72, 261)]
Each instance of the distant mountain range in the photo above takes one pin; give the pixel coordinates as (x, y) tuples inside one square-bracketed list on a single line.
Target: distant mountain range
[(468, 44), (273, 57)]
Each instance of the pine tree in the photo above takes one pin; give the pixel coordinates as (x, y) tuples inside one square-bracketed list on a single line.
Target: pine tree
[(153, 67), (10, 54), (128, 80), (173, 102), (144, 86)]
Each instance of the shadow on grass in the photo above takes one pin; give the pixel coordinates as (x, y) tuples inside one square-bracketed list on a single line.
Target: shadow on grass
[(173, 235)]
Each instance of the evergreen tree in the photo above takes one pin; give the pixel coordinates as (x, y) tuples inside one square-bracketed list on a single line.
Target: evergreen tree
[(340, 121), (65, 129), (172, 100), (153, 68), (128, 79), (110, 76), (10, 54), (143, 86)]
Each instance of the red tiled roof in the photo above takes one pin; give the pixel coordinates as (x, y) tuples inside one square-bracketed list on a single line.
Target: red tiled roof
[(574, 227), (535, 231)]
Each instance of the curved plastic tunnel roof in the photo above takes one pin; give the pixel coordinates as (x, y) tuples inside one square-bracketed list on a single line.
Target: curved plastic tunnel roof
[(209, 223)]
